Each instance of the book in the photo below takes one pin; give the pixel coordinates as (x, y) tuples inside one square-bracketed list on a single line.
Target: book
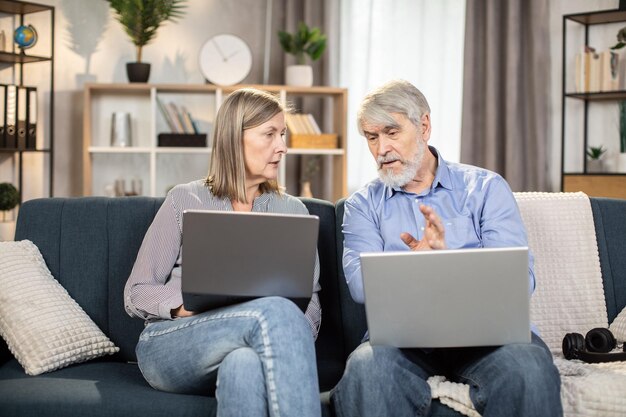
[(11, 117), (31, 119), (3, 98), (187, 121), (166, 115), (610, 70), (173, 112), (314, 125), (595, 72)]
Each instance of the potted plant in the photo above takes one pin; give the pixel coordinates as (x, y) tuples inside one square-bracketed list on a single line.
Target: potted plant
[(141, 19), (305, 41), (311, 167), (9, 199), (594, 155)]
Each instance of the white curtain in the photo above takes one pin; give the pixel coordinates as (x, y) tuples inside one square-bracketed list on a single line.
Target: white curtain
[(420, 41)]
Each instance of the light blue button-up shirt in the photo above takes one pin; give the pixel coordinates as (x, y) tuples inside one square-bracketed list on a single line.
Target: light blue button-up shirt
[(476, 206)]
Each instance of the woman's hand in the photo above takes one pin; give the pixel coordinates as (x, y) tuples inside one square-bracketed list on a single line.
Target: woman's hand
[(181, 312)]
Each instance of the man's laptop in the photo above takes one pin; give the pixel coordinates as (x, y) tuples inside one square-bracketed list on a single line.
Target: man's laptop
[(447, 298), (231, 257)]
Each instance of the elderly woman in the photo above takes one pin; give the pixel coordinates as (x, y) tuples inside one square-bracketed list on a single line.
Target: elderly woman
[(261, 351)]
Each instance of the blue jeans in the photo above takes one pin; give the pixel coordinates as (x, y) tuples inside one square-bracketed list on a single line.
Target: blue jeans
[(511, 380), (261, 352)]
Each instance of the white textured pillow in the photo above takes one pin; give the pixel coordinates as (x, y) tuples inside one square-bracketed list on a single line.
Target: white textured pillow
[(43, 326), (618, 327)]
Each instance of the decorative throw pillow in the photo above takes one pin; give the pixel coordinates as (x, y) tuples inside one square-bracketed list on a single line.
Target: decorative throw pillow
[(618, 327), (43, 326)]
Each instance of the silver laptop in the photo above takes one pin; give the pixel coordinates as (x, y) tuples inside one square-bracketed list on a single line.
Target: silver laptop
[(447, 298), (231, 257)]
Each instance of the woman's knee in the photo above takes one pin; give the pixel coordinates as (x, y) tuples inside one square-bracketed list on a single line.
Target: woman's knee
[(279, 310)]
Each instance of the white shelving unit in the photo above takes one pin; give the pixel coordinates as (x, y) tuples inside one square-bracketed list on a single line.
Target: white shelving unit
[(159, 168)]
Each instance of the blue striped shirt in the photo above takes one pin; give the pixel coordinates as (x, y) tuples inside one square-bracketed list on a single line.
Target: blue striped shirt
[(476, 206), (154, 286)]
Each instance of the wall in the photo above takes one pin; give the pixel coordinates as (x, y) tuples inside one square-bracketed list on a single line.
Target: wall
[(90, 46)]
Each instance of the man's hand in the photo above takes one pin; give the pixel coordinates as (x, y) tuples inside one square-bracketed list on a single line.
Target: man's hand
[(181, 312), (434, 232)]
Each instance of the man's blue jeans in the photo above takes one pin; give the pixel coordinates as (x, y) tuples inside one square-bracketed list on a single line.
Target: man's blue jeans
[(262, 353), (512, 380)]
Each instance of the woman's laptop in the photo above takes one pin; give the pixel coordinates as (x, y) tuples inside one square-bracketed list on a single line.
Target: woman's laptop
[(447, 298), (231, 257)]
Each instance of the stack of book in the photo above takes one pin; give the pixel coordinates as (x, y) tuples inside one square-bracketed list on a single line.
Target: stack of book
[(304, 132), (183, 128), (596, 71)]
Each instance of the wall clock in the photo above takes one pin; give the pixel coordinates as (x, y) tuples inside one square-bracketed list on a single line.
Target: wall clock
[(225, 59)]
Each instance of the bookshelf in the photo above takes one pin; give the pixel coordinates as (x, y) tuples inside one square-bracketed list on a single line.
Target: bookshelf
[(17, 62), (605, 184), (159, 167)]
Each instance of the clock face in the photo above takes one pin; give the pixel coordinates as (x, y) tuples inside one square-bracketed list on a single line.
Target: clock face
[(225, 59)]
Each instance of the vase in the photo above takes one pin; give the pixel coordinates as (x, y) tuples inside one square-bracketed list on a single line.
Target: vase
[(305, 189), (595, 165), (7, 231), (299, 75), (138, 72)]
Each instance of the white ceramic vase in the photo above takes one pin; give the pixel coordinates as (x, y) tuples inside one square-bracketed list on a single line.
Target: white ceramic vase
[(299, 75), (595, 165)]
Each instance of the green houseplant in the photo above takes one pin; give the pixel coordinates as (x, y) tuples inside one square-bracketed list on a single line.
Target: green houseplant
[(594, 154), (9, 198), (141, 19), (304, 42)]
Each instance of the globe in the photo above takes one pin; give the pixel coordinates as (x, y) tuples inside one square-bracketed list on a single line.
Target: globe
[(25, 36)]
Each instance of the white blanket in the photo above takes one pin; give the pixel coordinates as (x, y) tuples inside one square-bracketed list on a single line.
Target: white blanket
[(569, 297)]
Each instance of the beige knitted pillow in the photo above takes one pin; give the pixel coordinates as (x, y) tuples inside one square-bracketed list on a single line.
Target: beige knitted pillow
[(43, 326)]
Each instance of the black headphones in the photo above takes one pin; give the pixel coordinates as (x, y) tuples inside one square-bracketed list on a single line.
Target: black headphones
[(593, 348)]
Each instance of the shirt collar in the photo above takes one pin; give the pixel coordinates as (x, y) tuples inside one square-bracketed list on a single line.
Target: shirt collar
[(442, 176)]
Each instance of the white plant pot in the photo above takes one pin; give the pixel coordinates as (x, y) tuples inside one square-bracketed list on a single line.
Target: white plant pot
[(299, 75), (595, 165), (7, 231)]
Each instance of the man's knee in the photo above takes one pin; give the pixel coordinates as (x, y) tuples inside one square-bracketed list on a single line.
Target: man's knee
[(369, 362)]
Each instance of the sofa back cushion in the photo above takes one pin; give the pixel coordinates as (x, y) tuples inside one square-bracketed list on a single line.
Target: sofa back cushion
[(610, 223), (90, 245), (352, 313)]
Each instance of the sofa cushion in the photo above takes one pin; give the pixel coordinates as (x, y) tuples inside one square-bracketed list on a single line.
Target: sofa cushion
[(610, 222), (43, 326), (568, 296), (90, 245), (96, 389)]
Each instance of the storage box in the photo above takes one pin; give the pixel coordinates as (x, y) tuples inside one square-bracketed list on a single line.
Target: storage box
[(323, 141), (182, 139)]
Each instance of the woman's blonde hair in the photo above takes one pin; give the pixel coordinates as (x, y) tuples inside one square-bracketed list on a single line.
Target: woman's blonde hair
[(243, 109)]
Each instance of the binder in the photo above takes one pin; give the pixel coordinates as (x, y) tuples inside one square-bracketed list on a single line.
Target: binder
[(3, 98), (22, 98), (31, 118), (11, 117)]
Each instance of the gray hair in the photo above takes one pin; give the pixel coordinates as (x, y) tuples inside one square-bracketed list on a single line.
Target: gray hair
[(397, 96)]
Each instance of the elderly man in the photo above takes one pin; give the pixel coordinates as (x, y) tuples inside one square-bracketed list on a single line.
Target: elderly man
[(403, 210)]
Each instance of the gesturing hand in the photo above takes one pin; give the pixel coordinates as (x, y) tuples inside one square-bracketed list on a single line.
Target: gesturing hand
[(434, 232)]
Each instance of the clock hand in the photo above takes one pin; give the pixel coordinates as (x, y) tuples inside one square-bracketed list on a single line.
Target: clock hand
[(219, 50), (231, 55)]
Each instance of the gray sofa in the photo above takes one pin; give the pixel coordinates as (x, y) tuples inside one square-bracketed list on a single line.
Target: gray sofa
[(90, 244)]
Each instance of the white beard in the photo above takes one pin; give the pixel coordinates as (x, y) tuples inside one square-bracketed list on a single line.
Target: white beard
[(408, 171)]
